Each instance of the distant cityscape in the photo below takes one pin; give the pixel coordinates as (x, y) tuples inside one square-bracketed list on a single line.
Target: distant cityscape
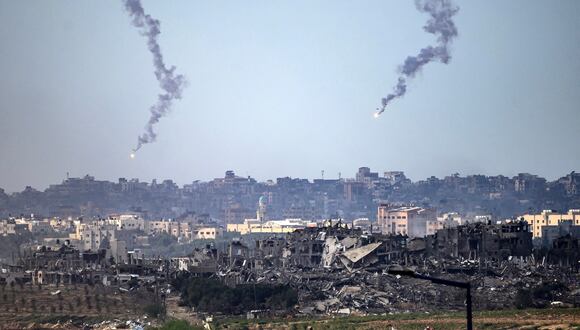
[(232, 199), (299, 241)]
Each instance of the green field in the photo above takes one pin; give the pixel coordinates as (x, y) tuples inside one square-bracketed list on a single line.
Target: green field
[(505, 319)]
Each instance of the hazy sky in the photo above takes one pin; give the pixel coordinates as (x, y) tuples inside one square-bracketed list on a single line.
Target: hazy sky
[(286, 88)]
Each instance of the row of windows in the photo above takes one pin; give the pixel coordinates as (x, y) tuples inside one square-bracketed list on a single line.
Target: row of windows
[(393, 217)]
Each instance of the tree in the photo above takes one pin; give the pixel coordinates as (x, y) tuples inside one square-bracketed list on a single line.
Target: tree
[(523, 299)]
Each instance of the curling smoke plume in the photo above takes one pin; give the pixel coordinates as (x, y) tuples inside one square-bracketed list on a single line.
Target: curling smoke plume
[(441, 25), (171, 83)]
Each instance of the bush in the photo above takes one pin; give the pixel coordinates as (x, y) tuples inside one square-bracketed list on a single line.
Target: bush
[(212, 296), (154, 310), (523, 299), (178, 325), (540, 295), (548, 290)]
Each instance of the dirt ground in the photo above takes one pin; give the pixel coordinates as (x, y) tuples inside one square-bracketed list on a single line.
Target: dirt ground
[(567, 322), (516, 319), (180, 312), (31, 305)]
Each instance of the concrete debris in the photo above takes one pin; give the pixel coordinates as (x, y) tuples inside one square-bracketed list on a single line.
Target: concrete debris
[(339, 270), (334, 269)]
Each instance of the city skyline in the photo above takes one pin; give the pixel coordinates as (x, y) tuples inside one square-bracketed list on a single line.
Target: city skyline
[(287, 89), (289, 164), (327, 176)]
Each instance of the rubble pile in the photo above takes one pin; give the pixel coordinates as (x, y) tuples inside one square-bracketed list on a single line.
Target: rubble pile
[(340, 270)]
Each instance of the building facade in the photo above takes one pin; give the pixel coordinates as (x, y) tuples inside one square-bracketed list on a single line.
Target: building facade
[(550, 218), (407, 220)]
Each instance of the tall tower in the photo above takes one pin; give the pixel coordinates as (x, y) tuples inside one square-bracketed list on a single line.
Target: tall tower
[(261, 212)]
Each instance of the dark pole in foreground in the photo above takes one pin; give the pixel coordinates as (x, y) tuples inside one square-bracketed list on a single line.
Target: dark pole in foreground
[(469, 312), (463, 285)]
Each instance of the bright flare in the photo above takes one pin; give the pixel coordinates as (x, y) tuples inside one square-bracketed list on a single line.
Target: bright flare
[(132, 155), (376, 115)]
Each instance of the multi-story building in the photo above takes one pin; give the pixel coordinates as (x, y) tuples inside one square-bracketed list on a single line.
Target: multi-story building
[(183, 230), (7, 227), (158, 226), (273, 226), (451, 219), (236, 213), (432, 226), (40, 227), (126, 221), (207, 233), (550, 218), (354, 191), (94, 235), (564, 228), (365, 176), (406, 220), (363, 224), (174, 228), (528, 183), (394, 177), (61, 225), (10, 227), (103, 234), (485, 240)]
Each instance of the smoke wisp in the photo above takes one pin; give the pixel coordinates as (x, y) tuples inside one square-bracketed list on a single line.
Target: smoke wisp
[(440, 24), (171, 83)]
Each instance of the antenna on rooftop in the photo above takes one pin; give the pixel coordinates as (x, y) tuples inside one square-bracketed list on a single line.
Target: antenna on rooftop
[(322, 174)]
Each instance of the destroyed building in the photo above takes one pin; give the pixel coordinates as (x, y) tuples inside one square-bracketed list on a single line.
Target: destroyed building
[(565, 252), (485, 240), (331, 246), (338, 269), (341, 246), (199, 262)]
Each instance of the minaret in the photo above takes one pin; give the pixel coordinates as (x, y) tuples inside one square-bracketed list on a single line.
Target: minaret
[(261, 212)]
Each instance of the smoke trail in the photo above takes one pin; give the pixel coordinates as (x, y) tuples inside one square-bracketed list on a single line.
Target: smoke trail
[(441, 25), (171, 83)]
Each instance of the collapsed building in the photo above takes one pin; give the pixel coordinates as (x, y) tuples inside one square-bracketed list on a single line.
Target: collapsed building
[(565, 252), (337, 268), (485, 240), (342, 246), (330, 246)]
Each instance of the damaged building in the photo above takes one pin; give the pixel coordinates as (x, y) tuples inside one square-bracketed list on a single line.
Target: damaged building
[(485, 240), (338, 269)]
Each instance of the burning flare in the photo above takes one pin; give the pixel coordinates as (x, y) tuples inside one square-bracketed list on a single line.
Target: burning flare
[(171, 83), (441, 25)]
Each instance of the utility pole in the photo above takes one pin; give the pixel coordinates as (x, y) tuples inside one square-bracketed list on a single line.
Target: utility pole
[(463, 285)]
